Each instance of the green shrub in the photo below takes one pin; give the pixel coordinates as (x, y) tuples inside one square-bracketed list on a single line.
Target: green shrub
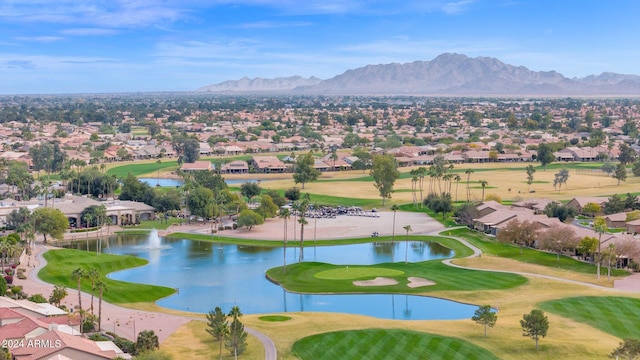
[(3, 286), (98, 337), (37, 298)]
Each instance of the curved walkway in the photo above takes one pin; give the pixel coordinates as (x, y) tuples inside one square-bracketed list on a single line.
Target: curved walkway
[(123, 321), (477, 252)]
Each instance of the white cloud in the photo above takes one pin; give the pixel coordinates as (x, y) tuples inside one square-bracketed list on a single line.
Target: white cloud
[(456, 7), (108, 14), (88, 31), (273, 24), (44, 39)]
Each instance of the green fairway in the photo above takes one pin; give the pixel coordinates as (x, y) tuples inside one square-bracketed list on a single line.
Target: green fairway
[(618, 316), (61, 263), (274, 318), (138, 169), (374, 344), (528, 255), (302, 277), (356, 272)]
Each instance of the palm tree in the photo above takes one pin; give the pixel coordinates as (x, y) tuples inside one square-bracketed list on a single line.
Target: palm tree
[(57, 295), (88, 219), (77, 275), (158, 178), (421, 172), (468, 172), (600, 227), (302, 221), (147, 341), (394, 208), (447, 179), (457, 179), (285, 214), (414, 185), (101, 287), (611, 251), (93, 275), (406, 245), (484, 184), (334, 158), (302, 207)]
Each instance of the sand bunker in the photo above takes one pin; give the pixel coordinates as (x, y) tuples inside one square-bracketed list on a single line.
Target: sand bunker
[(379, 281), (415, 282)]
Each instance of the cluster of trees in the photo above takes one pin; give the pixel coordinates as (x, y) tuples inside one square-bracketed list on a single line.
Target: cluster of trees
[(146, 343), (562, 239), (87, 319), (231, 334), (270, 203), (534, 324), (44, 220), (628, 349)]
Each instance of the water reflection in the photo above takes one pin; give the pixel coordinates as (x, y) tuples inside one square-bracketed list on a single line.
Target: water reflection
[(212, 274)]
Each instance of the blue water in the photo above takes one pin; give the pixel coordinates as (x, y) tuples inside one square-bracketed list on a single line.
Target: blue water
[(179, 182), (211, 274)]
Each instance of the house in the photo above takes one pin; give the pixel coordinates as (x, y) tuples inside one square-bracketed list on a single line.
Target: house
[(477, 156), (337, 164), (617, 220), (235, 167), (320, 165), (578, 203), (487, 207), (633, 227), (537, 205), (564, 155), (121, 212), (55, 344), (197, 166), (205, 149), (268, 164)]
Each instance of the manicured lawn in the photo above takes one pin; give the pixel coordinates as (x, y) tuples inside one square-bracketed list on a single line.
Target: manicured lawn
[(61, 263), (155, 224), (141, 168), (618, 316), (373, 344), (491, 246), (356, 272), (274, 318), (337, 200), (302, 277), (447, 221)]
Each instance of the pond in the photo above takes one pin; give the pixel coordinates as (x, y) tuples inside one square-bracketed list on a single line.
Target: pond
[(179, 182), (214, 274)]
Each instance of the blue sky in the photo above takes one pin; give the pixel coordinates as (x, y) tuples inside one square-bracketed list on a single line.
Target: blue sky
[(76, 46)]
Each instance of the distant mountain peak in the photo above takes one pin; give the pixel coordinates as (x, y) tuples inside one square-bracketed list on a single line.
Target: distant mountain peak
[(448, 74), (259, 84)]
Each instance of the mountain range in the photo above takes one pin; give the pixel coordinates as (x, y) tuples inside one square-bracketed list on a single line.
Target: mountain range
[(446, 75)]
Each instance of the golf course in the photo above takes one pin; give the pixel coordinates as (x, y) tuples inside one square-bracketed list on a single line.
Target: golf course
[(588, 316)]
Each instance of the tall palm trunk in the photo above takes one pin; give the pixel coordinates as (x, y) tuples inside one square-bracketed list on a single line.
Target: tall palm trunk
[(300, 256), (100, 310)]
